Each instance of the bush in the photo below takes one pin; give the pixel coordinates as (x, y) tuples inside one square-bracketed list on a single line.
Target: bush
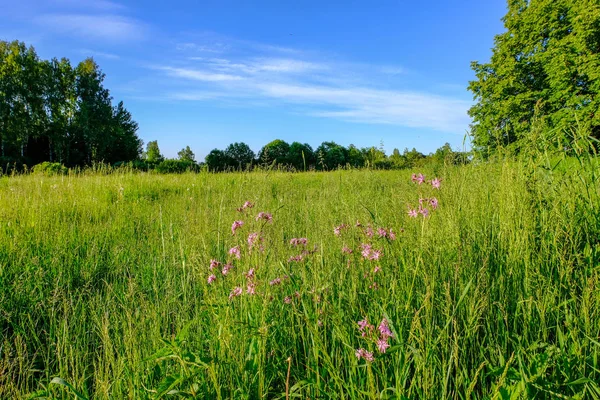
[(49, 168), (176, 166)]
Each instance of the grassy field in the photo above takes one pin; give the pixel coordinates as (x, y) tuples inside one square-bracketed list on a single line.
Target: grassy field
[(104, 284)]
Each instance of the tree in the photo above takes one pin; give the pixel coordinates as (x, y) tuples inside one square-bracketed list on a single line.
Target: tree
[(217, 160), (544, 68), (331, 155), (126, 145), (355, 157), (301, 156), (276, 151), (240, 155), (186, 154), (153, 152)]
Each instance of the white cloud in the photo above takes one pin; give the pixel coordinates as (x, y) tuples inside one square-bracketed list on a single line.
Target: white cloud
[(199, 75), (99, 54), (107, 27)]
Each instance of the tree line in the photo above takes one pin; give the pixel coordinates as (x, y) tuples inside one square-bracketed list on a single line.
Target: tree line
[(297, 157), (53, 111)]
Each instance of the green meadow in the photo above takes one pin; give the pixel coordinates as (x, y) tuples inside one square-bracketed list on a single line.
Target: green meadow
[(495, 294)]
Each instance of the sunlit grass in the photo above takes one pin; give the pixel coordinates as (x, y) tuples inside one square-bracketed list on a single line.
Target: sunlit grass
[(103, 283)]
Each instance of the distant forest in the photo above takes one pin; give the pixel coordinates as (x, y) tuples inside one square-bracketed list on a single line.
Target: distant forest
[(52, 111)]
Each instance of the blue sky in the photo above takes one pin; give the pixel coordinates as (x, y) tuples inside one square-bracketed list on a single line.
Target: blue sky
[(206, 74)]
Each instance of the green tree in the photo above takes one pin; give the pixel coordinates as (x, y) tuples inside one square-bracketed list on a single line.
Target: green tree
[(217, 160), (355, 157), (276, 152), (239, 155), (126, 145), (546, 65), (153, 152), (187, 154), (331, 155), (301, 156)]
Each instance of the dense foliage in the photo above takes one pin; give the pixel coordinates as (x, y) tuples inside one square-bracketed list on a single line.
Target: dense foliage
[(52, 111), (328, 156), (545, 70)]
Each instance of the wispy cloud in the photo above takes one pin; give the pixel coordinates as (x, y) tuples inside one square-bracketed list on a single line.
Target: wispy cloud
[(99, 54), (311, 84), (114, 28)]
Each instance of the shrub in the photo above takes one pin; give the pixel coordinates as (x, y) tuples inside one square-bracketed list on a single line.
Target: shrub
[(176, 166), (50, 168)]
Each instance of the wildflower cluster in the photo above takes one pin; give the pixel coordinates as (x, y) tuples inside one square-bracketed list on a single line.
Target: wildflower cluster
[(426, 205), (379, 338)]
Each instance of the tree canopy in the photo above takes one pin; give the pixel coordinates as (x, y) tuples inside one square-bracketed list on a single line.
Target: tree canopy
[(544, 68), (52, 111)]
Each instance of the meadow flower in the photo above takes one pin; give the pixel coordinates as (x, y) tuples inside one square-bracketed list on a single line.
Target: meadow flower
[(250, 274), (253, 238), (287, 300), (363, 324), (384, 329), (376, 269), (382, 232), (226, 269), (346, 250), (264, 215), (250, 289), (248, 204), (235, 292), (338, 229), (211, 278), (435, 183), (382, 345), (374, 286), (420, 178), (297, 258), (414, 177), (412, 213), (362, 353), (366, 250), (235, 226), (424, 212), (391, 235), (235, 251), (369, 232), (375, 255), (214, 264), (275, 282), (299, 241), (433, 202)]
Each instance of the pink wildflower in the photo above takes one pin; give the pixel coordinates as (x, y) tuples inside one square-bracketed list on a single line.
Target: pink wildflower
[(251, 289), (338, 229), (275, 282), (299, 241), (264, 215), (346, 250), (235, 226), (382, 232), (362, 353), (435, 183), (420, 178), (424, 212), (211, 278), (382, 345), (250, 274), (214, 264), (412, 213), (376, 269), (235, 251), (414, 177), (369, 232), (375, 255), (384, 329), (287, 300), (363, 324), (366, 250), (391, 235), (226, 269), (374, 286), (248, 204), (253, 238), (297, 258), (235, 292), (433, 202)]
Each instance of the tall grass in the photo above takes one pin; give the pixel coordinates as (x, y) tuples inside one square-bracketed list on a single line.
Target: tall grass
[(496, 294)]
